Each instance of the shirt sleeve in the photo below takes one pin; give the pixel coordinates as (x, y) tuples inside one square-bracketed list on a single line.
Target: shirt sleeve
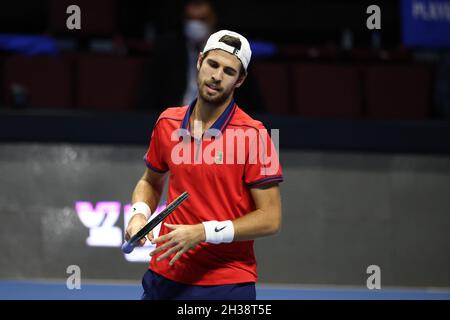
[(263, 165), (154, 157)]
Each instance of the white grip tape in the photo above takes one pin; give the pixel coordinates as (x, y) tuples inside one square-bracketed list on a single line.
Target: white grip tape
[(141, 207), (219, 231)]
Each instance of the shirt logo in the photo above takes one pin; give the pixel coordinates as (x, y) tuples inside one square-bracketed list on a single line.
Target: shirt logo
[(217, 230)]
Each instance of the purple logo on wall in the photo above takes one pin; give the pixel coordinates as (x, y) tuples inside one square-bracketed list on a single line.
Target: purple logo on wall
[(101, 219)]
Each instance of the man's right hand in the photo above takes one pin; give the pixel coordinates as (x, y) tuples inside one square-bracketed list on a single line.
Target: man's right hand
[(136, 223)]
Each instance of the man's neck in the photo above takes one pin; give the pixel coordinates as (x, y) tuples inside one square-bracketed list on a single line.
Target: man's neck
[(208, 113)]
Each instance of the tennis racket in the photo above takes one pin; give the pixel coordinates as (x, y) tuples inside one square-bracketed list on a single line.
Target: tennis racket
[(129, 245)]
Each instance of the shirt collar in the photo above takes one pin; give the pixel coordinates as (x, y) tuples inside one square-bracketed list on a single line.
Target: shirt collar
[(221, 122)]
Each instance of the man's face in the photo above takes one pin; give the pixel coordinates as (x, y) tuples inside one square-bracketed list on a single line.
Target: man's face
[(218, 76)]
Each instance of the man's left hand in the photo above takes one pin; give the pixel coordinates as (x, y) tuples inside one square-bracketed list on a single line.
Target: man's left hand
[(181, 239)]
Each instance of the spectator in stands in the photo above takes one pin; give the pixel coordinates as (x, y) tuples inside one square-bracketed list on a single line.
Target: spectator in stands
[(171, 73)]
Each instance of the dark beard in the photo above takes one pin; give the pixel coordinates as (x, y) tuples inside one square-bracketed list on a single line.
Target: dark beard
[(216, 100)]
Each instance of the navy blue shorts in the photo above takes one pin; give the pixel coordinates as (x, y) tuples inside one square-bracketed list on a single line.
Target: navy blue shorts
[(157, 287)]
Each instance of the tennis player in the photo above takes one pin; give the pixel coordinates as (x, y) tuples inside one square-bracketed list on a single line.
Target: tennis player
[(205, 247)]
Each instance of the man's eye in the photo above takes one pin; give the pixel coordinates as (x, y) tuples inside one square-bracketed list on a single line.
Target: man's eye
[(229, 72)]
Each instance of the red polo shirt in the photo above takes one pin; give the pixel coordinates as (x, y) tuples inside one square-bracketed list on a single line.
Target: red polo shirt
[(217, 171)]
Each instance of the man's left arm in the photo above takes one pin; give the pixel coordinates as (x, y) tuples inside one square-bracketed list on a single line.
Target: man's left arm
[(265, 220)]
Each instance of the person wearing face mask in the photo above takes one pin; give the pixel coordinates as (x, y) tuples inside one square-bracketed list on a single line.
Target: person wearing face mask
[(170, 76), (199, 24)]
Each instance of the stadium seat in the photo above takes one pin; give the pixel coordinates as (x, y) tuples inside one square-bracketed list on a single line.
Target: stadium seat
[(324, 90), (44, 82), (273, 81), (397, 92), (108, 82)]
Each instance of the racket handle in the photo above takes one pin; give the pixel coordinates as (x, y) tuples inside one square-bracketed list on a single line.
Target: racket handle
[(127, 247)]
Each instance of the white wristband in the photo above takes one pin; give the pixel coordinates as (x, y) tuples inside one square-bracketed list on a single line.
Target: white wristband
[(141, 207), (219, 231)]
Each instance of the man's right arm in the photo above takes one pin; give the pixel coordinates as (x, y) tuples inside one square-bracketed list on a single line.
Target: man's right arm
[(148, 189)]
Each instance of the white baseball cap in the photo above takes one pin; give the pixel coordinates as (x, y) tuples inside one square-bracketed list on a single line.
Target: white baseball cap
[(244, 54)]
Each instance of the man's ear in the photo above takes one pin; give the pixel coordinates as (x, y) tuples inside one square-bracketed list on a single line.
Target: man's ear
[(199, 61), (240, 81)]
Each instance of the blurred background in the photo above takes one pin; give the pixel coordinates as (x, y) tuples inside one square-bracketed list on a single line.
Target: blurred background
[(363, 114)]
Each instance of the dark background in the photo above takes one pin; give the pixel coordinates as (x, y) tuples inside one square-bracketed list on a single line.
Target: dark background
[(364, 137), (342, 212), (312, 22)]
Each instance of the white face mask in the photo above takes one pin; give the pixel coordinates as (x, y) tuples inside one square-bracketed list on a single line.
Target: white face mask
[(196, 31)]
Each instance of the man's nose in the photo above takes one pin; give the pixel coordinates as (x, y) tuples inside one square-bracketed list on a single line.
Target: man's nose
[(217, 76)]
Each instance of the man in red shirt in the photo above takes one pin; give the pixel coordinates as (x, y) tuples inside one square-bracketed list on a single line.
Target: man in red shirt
[(227, 162)]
